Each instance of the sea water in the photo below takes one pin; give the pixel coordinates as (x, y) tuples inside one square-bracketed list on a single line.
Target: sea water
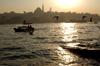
[(43, 47)]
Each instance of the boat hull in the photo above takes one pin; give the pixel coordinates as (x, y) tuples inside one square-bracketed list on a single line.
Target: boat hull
[(20, 30), (24, 30), (87, 52)]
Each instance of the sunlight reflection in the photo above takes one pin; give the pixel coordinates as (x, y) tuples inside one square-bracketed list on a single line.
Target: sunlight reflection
[(68, 25), (70, 37), (65, 38), (73, 44), (68, 29), (65, 56)]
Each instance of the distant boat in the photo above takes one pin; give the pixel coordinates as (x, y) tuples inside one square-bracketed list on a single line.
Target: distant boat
[(95, 22), (74, 20), (24, 22), (91, 21)]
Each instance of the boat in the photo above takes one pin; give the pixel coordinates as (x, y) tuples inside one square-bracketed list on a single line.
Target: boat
[(24, 22), (84, 50), (27, 23), (73, 20), (24, 29), (95, 22), (79, 21)]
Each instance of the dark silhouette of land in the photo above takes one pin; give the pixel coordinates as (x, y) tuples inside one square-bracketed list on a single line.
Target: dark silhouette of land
[(39, 16)]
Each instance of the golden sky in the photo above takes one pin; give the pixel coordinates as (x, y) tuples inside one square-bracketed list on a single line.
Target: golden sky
[(78, 6)]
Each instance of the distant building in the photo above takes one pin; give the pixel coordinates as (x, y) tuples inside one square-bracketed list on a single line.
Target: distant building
[(38, 12)]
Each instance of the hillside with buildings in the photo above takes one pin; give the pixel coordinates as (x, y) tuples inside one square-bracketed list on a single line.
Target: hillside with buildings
[(39, 16)]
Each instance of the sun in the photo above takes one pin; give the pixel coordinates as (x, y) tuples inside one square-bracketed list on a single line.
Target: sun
[(69, 3)]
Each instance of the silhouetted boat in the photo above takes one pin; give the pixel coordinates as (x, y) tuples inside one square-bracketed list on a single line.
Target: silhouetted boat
[(79, 21), (24, 22), (84, 50), (27, 23), (24, 29), (95, 22), (73, 20)]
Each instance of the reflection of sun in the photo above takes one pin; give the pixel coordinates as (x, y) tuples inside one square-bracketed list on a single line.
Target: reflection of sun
[(68, 25), (68, 29), (66, 56)]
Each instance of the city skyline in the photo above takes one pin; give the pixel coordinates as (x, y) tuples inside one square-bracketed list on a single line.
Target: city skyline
[(81, 6)]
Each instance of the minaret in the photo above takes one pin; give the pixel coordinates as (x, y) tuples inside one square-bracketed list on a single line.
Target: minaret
[(50, 9), (43, 7)]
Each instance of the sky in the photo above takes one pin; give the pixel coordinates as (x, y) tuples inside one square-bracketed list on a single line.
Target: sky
[(78, 6)]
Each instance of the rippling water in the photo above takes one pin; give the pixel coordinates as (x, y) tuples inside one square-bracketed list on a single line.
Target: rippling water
[(43, 47)]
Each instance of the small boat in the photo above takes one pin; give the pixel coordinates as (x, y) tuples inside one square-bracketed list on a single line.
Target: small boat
[(21, 29), (95, 22), (24, 29), (24, 22), (92, 22), (80, 21), (84, 50)]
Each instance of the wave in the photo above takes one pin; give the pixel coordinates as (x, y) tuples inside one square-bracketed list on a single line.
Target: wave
[(18, 57), (12, 49)]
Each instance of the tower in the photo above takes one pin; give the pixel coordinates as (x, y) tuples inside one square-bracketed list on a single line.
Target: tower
[(50, 9), (43, 7)]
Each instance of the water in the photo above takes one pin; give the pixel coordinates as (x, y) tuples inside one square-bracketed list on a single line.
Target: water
[(43, 47)]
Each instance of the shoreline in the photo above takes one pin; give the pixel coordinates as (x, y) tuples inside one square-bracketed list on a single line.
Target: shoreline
[(50, 22)]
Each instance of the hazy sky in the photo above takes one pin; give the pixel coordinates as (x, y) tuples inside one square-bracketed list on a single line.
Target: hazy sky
[(79, 6)]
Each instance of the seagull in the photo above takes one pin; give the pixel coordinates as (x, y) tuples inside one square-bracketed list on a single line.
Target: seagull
[(56, 17), (91, 19), (83, 17)]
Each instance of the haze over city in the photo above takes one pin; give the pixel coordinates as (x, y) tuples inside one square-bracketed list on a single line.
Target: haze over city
[(78, 6), (49, 33)]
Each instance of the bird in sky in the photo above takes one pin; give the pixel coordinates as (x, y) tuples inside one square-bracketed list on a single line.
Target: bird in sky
[(83, 17), (56, 17)]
